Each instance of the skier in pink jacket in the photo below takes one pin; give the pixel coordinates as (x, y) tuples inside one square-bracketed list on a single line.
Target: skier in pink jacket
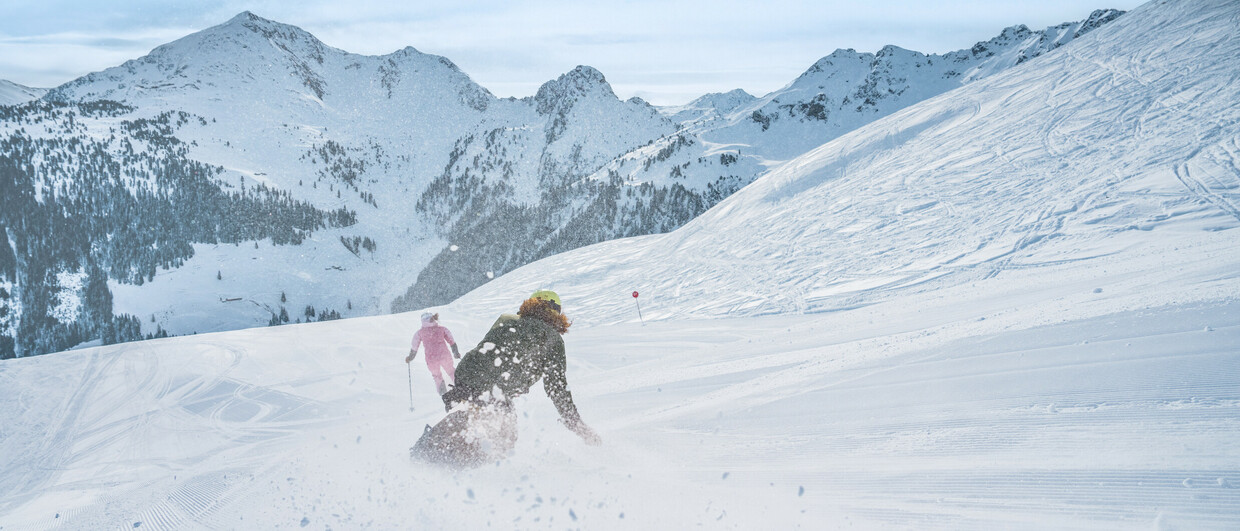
[(436, 338)]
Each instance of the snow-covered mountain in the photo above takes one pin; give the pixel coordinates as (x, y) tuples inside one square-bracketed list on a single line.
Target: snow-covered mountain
[(388, 182), (1091, 163), (254, 62), (733, 138), (724, 142), (268, 105), (1013, 305), (710, 105), (507, 188), (12, 94)]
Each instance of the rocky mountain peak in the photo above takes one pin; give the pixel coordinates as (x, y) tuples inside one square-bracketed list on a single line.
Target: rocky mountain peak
[(407, 52), (723, 101), (248, 21), (245, 17), (893, 50), (285, 36), (1096, 19), (576, 84), (839, 56)]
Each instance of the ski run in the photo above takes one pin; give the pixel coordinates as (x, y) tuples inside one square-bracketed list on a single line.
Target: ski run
[(1015, 305)]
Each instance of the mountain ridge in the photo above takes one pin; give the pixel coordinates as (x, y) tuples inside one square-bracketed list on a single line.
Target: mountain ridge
[(447, 186), (949, 192), (14, 94), (658, 187)]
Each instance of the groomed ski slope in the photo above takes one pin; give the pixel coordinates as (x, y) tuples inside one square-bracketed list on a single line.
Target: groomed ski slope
[(1016, 305), (880, 417)]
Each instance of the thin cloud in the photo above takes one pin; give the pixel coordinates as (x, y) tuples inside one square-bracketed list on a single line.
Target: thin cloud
[(667, 52), (101, 40)]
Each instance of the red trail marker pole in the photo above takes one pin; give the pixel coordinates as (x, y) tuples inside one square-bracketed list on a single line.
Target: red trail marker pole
[(639, 308)]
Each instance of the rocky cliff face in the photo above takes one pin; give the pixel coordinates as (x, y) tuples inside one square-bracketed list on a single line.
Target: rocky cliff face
[(512, 191)]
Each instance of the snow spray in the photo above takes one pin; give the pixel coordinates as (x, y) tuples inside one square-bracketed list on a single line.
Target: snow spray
[(639, 308)]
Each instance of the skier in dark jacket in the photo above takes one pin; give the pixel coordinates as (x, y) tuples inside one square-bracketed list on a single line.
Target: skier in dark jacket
[(516, 352)]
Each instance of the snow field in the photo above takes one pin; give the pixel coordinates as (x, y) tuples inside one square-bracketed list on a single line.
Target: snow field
[(1013, 306), (928, 412)]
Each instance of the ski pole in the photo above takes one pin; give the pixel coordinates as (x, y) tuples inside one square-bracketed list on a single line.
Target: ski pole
[(639, 308), (410, 371)]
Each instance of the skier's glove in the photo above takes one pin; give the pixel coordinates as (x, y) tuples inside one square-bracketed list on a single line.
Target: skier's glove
[(456, 353), (583, 431), (409, 358), (588, 435)]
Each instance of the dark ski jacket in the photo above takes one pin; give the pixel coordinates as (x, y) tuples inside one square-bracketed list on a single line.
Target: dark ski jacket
[(515, 353)]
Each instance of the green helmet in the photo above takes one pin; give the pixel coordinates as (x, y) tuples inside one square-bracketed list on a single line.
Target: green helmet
[(549, 296)]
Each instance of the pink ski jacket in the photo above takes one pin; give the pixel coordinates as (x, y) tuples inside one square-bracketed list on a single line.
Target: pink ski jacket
[(435, 337)]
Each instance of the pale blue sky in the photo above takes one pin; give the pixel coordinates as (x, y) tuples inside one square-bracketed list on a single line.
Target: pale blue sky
[(667, 52)]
